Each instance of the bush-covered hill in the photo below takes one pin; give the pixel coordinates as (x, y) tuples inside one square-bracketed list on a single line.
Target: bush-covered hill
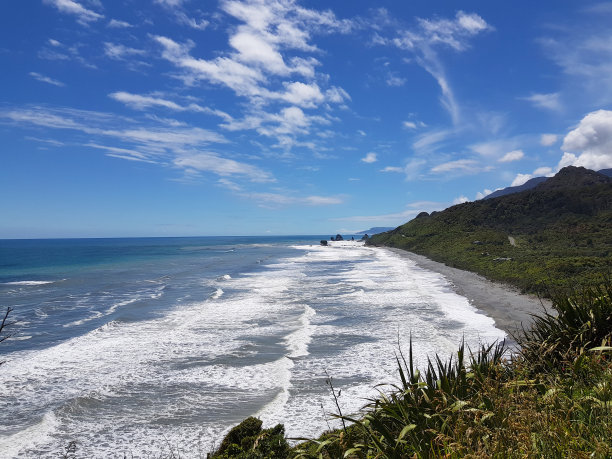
[(558, 234)]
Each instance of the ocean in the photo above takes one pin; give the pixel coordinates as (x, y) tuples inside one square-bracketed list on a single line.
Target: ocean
[(146, 346)]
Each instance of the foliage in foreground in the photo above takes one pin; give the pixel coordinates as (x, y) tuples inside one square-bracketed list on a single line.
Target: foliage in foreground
[(248, 440), (551, 399)]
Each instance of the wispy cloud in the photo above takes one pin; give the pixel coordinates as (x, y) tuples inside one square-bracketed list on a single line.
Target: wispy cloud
[(224, 167), (46, 79), (120, 52), (278, 199), (140, 102), (83, 15), (117, 24), (411, 170), (176, 8), (422, 42), (550, 101), (464, 165), (514, 155), (584, 55), (55, 50)]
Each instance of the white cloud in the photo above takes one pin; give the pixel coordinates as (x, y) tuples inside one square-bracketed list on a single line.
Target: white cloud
[(482, 194), (54, 42), (240, 78), (520, 179), (413, 124), (141, 102), (117, 24), (370, 158), (590, 144), (261, 66), (512, 156), (497, 148), (170, 3), (322, 200), (120, 52), (547, 140), (545, 101), (466, 165), (254, 49), (543, 171), (84, 15), (46, 79), (304, 95), (393, 169), (460, 200)]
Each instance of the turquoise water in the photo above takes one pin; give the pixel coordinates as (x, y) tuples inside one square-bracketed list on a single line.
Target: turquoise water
[(61, 288), (136, 346)]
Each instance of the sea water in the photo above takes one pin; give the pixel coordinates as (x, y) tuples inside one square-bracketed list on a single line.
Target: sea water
[(142, 347)]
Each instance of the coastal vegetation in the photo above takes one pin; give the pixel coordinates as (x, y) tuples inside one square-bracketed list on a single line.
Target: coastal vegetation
[(554, 236)]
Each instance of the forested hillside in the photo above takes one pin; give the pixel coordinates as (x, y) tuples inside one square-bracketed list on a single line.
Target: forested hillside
[(558, 234)]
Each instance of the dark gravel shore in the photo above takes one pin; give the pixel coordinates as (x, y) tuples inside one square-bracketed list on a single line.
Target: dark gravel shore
[(505, 304)]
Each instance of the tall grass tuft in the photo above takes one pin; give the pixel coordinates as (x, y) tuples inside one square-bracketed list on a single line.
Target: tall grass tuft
[(582, 322)]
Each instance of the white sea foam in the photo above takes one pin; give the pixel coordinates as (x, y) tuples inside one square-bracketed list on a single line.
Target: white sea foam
[(263, 348), (39, 433), (28, 283), (298, 341), (218, 293)]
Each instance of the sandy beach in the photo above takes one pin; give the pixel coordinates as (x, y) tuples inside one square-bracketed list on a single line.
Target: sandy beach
[(505, 304)]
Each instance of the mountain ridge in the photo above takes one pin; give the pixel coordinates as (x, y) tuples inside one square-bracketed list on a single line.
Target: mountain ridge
[(531, 183)]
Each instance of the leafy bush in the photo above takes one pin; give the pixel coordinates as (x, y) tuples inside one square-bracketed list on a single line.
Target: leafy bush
[(249, 440)]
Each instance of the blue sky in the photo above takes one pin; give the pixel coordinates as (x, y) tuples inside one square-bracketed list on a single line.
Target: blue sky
[(186, 117)]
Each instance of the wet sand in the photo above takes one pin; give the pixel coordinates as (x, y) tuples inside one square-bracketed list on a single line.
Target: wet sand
[(503, 303)]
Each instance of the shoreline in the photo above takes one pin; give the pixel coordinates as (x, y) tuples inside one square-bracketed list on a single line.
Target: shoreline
[(506, 305)]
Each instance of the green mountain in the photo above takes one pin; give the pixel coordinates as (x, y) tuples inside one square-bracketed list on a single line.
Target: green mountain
[(557, 234)]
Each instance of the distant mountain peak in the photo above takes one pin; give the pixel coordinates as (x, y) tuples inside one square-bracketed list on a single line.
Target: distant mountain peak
[(572, 176)]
